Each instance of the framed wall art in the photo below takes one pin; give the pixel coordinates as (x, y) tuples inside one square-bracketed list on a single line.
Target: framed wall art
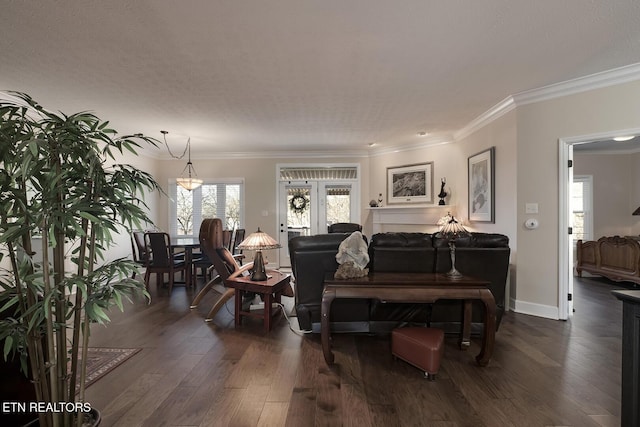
[(481, 186), (410, 183)]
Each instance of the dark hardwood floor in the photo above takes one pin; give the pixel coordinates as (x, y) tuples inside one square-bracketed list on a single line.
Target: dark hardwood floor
[(192, 373)]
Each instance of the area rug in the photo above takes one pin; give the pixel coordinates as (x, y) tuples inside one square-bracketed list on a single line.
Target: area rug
[(101, 361)]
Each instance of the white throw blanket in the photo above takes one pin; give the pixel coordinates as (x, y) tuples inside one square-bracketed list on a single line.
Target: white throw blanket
[(353, 249)]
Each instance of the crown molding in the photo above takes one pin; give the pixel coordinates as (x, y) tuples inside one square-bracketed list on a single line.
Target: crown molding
[(603, 79), (273, 155), (600, 80), (430, 142), (494, 113)]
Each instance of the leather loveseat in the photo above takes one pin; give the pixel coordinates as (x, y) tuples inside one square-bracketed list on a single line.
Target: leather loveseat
[(481, 255)]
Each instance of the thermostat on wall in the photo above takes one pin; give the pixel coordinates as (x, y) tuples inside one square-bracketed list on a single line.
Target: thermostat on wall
[(531, 223)]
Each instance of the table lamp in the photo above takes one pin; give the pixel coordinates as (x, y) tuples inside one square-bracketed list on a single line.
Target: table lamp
[(451, 230), (258, 242)]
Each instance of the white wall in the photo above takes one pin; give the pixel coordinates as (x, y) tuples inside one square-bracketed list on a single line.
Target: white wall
[(446, 164), (539, 127), (122, 241), (501, 133)]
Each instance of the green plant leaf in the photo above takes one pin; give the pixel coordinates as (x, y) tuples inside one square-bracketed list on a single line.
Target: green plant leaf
[(8, 345)]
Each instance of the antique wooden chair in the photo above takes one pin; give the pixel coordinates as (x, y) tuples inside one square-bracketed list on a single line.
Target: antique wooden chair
[(212, 244), (161, 259)]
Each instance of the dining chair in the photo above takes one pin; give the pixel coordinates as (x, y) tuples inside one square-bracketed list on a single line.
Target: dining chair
[(138, 249), (213, 245), (161, 259), (238, 237)]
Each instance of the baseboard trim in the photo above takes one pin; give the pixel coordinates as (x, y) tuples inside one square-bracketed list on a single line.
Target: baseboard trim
[(540, 310)]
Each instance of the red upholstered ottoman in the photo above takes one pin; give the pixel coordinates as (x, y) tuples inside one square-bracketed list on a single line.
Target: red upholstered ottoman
[(419, 346)]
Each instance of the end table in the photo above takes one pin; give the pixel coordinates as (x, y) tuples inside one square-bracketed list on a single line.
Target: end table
[(271, 290)]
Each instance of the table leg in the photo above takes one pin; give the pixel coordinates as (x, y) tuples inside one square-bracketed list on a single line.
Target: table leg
[(267, 312), (188, 260), (238, 303), (465, 338), (489, 333), (325, 324)]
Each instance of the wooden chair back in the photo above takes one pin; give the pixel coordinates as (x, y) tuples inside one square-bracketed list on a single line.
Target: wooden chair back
[(158, 248), (161, 259), (212, 243), (138, 248), (237, 239)]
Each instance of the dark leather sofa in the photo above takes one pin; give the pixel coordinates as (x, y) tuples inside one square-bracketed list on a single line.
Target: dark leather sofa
[(481, 255)]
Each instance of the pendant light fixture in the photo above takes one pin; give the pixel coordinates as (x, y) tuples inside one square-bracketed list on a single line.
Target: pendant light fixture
[(187, 182)]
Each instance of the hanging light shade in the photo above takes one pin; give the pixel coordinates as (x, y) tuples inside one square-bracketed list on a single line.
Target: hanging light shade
[(189, 182)]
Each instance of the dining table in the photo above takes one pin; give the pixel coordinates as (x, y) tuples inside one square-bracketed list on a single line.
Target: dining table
[(186, 244)]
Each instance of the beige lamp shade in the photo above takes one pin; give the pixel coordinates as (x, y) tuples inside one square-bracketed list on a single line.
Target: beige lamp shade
[(452, 229), (258, 241)]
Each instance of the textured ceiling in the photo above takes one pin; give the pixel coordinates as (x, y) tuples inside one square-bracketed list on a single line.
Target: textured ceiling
[(303, 75)]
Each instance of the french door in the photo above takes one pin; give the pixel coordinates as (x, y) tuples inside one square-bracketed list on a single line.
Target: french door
[(309, 207)]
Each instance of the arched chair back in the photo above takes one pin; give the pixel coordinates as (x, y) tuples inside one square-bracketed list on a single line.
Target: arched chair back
[(212, 243)]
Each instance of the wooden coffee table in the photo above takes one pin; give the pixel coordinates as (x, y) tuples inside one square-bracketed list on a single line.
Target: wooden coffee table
[(271, 289), (410, 288)]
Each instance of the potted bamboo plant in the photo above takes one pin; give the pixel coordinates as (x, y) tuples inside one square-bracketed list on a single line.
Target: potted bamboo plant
[(58, 181)]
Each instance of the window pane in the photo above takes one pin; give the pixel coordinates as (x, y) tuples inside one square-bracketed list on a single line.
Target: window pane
[(232, 206), (338, 208), (578, 226), (581, 214), (577, 196), (184, 214), (299, 212), (209, 201)]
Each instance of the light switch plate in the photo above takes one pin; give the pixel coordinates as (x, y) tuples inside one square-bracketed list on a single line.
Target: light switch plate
[(530, 208)]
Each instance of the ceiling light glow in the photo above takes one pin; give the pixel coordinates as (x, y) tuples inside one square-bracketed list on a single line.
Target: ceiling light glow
[(623, 138)]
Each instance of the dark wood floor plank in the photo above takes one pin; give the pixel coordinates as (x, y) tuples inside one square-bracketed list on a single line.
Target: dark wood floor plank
[(355, 408), (274, 414), (192, 373), (224, 406), (250, 406), (329, 410), (128, 399), (302, 407), (384, 415), (284, 376)]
